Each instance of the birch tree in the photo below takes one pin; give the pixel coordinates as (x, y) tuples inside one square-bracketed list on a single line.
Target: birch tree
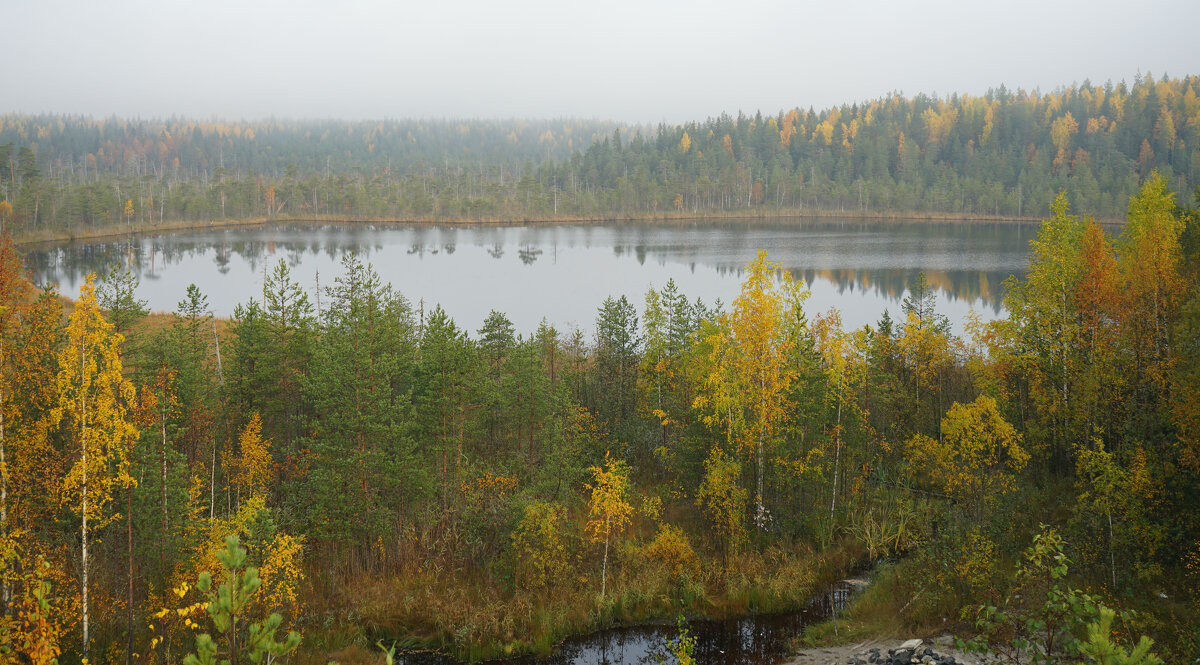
[(608, 507), (92, 409)]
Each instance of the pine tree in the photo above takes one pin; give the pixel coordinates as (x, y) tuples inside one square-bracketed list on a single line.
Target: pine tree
[(361, 426)]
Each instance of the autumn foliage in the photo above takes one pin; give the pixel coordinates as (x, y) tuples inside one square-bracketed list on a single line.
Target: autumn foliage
[(383, 469)]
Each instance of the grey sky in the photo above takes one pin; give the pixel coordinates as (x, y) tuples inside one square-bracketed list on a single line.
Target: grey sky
[(628, 60)]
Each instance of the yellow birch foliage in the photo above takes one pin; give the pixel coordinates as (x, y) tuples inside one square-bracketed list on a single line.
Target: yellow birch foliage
[(978, 456), (177, 618), (175, 622), (843, 354), (281, 570), (939, 123), (975, 565), (723, 499), (30, 329), (93, 402), (926, 351), (671, 550), (718, 395), (844, 360), (1151, 257), (12, 292), (823, 132), (488, 490), (609, 507), (282, 573), (760, 329), (745, 374), (213, 542), (984, 353), (539, 545), (255, 473)]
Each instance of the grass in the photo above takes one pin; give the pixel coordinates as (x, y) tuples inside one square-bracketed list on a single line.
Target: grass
[(874, 613), (904, 600), (473, 617)]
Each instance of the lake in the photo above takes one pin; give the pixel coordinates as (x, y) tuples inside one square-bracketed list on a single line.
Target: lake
[(563, 272)]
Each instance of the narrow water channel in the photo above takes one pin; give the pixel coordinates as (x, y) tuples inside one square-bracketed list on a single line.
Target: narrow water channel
[(753, 640)]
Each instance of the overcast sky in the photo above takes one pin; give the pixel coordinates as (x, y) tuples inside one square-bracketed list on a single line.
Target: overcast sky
[(626, 60)]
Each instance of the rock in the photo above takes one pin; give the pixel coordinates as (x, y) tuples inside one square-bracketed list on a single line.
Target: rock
[(911, 645)]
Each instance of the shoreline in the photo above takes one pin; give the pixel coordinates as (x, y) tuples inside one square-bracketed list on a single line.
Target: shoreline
[(69, 236)]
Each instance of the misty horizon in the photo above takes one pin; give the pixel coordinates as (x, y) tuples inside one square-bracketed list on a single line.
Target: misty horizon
[(630, 62), (636, 125)]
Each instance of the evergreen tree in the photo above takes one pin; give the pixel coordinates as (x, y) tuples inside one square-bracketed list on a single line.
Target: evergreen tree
[(617, 347), (363, 470)]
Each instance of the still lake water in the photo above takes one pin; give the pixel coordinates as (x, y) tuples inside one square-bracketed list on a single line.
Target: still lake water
[(563, 272)]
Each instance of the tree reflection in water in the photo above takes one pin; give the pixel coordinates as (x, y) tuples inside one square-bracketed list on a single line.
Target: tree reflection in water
[(860, 267)]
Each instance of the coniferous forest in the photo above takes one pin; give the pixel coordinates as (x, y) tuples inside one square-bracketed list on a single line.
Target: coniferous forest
[(305, 482), (1005, 154)]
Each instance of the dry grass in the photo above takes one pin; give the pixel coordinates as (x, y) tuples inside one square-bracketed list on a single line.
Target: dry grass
[(474, 616), (354, 655)]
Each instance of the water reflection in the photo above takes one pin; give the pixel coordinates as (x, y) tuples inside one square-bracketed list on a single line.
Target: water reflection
[(529, 254), (563, 272)]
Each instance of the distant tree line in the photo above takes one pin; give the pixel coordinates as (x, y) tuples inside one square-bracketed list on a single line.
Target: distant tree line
[(1003, 154)]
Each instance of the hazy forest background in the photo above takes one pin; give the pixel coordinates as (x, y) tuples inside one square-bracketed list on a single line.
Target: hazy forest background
[(390, 475), (1005, 154)]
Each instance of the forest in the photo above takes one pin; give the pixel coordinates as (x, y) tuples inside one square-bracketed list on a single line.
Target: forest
[(1002, 155), (307, 481)]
